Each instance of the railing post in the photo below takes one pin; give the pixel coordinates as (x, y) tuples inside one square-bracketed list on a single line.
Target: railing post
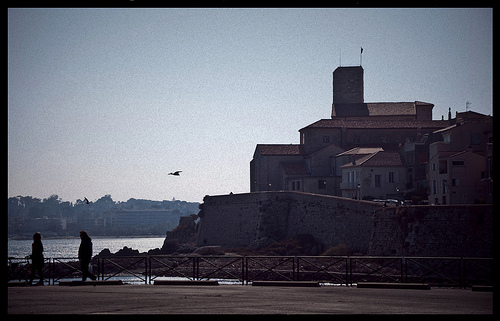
[(145, 271), (402, 280), (246, 270), (346, 271), (150, 271), (293, 267), (195, 262), (101, 267), (406, 269), (460, 273), (298, 268), (350, 269), (242, 270), (98, 268), (51, 269)]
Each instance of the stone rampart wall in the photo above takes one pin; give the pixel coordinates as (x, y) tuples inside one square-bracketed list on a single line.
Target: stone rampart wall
[(256, 219), (442, 230)]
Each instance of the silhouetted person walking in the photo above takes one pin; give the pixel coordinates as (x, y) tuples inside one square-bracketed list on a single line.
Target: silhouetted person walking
[(85, 255), (36, 258)]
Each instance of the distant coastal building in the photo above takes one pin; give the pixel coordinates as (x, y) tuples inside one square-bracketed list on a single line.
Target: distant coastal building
[(127, 218), (312, 165)]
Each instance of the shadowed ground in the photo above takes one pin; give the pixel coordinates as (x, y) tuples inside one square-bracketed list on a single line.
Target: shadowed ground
[(225, 299)]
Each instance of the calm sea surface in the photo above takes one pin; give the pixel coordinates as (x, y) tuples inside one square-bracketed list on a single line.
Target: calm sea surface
[(68, 247)]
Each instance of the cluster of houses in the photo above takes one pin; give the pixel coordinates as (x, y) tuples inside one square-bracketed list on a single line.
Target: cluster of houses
[(383, 150)]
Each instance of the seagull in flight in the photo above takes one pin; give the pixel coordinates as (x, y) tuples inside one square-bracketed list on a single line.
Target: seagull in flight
[(175, 173), (86, 200)]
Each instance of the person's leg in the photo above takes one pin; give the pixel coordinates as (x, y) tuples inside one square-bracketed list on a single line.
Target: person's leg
[(85, 269), (40, 273), (32, 276), (91, 275)]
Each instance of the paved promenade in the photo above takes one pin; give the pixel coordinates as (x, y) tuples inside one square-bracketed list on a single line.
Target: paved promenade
[(223, 299)]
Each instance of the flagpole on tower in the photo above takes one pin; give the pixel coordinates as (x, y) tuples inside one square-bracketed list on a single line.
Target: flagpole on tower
[(361, 57)]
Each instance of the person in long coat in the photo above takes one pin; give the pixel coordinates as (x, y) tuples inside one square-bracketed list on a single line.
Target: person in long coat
[(36, 258), (85, 255)]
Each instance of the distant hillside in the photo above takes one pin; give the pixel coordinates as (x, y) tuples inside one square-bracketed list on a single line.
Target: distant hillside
[(54, 217)]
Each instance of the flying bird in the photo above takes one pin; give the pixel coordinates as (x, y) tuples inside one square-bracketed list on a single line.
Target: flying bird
[(86, 200), (175, 173)]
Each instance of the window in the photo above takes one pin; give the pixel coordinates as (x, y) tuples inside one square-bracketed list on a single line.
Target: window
[(455, 182), (458, 163), (444, 189), (298, 186), (433, 166), (293, 186), (377, 180), (475, 138), (391, 177), (443, 166), (321, 184), (434, 187)]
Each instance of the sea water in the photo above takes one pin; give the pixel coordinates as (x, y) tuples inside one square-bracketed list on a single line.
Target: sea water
[(68, 247)]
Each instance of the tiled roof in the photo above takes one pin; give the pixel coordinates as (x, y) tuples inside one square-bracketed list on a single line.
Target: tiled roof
[(381, 109), (361, 151), (445, 129), (342, 123), (381, 158), (375, 109), (298, 168), (280, 149)]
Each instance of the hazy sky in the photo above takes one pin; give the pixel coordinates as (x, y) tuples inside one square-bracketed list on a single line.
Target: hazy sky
[(109, 101)]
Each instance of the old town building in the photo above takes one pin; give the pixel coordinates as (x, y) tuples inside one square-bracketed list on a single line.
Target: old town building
[(392, 138)]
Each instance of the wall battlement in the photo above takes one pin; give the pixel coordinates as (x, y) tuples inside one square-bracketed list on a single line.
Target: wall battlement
[(240, 220)]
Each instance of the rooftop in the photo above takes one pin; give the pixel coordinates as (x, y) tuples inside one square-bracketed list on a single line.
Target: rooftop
[(380, 158), (401, 124), (280, 149), (361, 151), (377, 109)]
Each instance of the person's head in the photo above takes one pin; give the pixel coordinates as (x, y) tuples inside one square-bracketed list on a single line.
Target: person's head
[(84, 235), (37, 236)]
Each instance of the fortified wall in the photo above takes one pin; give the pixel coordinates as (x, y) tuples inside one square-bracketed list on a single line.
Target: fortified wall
[(441, 230), (257, 219)]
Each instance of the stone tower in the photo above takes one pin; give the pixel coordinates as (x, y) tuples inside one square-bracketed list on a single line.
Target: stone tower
[(347, 86)]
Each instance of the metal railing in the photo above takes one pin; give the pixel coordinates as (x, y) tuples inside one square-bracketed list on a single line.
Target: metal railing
[(19, 269), (172, 266), (326, 268), (220, 267), (376, 269), (128, 265), (270, 268), (343, 270), (68, 267)]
